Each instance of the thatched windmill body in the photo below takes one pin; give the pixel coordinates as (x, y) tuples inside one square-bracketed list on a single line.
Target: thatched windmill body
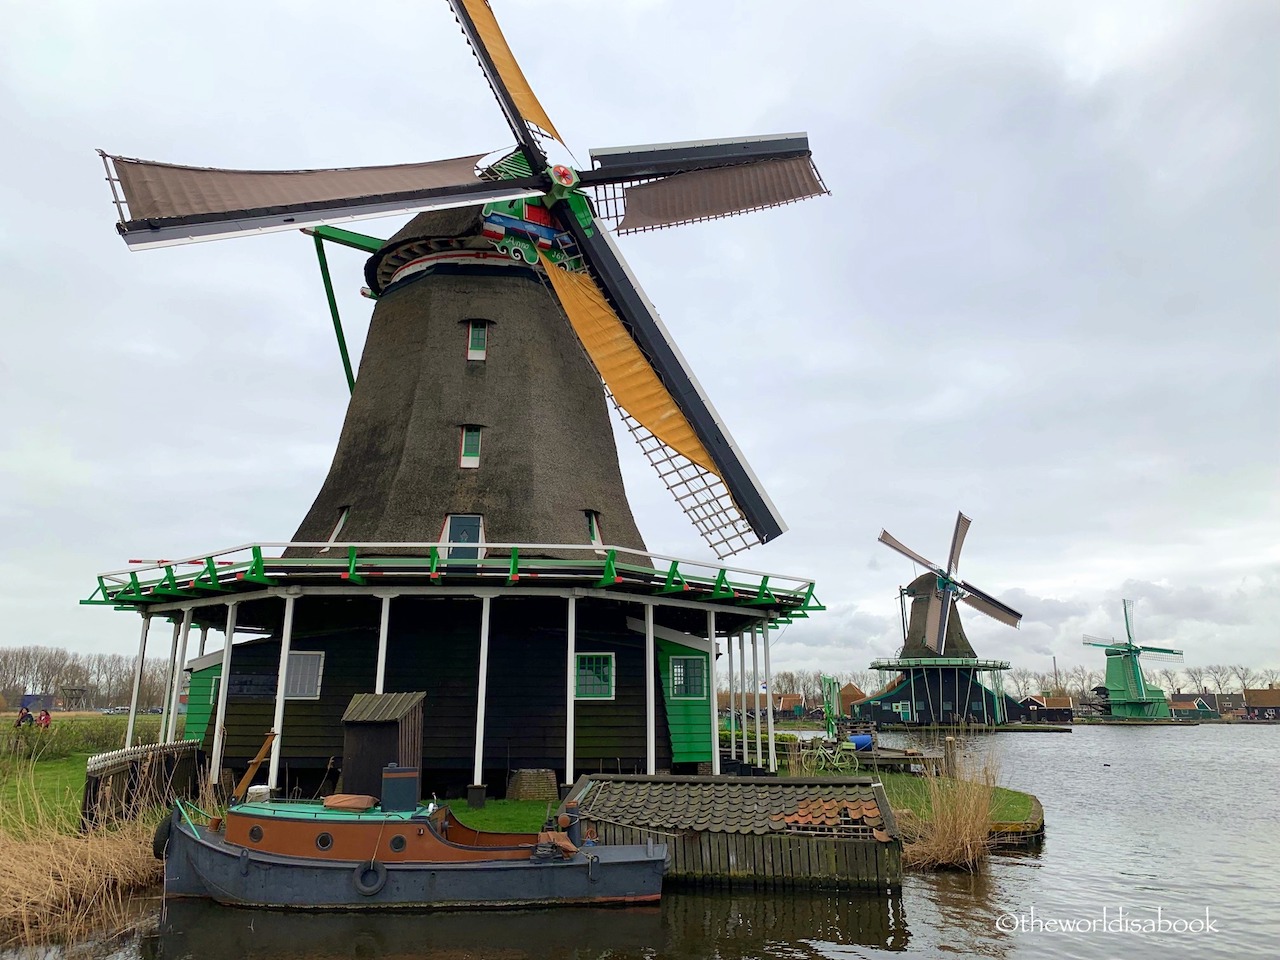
[(937, 678), (475, 486)]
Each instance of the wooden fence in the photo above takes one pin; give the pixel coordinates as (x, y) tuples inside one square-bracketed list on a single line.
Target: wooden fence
[(121, 784)]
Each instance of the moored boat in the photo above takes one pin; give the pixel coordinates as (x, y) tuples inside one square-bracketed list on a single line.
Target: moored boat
[(352, 854)]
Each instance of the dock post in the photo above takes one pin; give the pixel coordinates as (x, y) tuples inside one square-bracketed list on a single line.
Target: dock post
[(949, 757)]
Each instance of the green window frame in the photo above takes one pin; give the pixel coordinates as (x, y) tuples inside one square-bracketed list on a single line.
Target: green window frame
[(477, 339), (470, 447), (593, 527), (688, 678), (594, 676)]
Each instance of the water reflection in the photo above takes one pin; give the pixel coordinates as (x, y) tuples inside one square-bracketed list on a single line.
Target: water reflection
[(727, 925)]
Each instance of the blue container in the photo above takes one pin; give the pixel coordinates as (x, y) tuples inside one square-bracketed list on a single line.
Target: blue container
[(860, 741)]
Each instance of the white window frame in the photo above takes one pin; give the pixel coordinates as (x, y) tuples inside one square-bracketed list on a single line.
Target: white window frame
[(469, 462), (577, 675), (472, 352), (319, 675), (445, 535), (702, 661), (337, 527)]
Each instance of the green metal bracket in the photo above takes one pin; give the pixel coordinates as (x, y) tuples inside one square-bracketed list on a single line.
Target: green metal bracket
[(256, 573), (513, 568), (609, 576), (207, 579), (169, 587), (795, 613), (351, 575), (133, 593), (333, 310), (675, 583), (348, 238), (764, 596), (92, 600), (434, 571), (811, 603), (722, 590)]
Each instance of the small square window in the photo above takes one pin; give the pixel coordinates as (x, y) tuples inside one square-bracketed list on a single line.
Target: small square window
[(688, 678), (303, 675), (595, 676), (477, 339), (470, 447)]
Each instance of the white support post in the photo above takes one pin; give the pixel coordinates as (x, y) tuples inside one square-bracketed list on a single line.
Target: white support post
[(650, 695), (711, 690), (224, 688), (204, 638), (380, 682), (768, 690), (733, 703), (137, 680), (481, 692), (571, 688), (168, 684), (755, 682), (286, 637), (180, 662), (742, 692)]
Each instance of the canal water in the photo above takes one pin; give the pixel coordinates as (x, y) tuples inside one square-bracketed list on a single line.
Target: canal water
[(1161, 842)]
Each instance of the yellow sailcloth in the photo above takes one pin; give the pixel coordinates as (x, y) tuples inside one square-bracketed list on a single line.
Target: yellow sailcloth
[(622, 366), (505, 62)]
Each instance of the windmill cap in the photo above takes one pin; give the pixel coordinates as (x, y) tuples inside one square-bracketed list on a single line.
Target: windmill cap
[(454, 224)]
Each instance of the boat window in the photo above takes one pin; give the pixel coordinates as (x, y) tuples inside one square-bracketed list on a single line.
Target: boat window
[(688, 678), (595, 676)]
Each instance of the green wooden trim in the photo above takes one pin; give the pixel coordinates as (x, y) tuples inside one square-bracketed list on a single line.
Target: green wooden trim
[(764, 596), (350, 574), (723, 590), (349, 238), (675, 583), (609, 576), (513, 568), (256, 572), (333, 311)]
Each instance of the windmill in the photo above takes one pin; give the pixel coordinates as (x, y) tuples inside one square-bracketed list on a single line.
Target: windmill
[(490, 214), (940, 675), (1128, 692), (475, 499)]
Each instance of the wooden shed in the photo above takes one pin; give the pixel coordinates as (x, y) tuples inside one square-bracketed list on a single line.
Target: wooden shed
[(379, 729)]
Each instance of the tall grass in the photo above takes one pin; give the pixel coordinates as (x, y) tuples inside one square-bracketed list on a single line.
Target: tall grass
[(57, 884), (956, 833)]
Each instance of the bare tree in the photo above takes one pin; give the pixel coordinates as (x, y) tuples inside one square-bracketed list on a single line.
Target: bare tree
[(1197, 675), (1270, 675), (1170, 677), (1219, 675), (1077, 681), (1020, 679), (1245, 676)]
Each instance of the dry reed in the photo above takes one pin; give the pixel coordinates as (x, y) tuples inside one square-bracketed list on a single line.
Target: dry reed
[(60, 885), (956, 833)]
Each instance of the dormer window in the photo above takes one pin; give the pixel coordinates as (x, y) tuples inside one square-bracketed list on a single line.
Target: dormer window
[(470, 455), (477, 339)]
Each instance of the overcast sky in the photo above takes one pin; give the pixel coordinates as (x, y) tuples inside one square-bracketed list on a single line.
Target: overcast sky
[(1043, 291)]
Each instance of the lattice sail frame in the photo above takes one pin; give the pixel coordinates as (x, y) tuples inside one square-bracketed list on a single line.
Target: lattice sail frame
[(703, 496)]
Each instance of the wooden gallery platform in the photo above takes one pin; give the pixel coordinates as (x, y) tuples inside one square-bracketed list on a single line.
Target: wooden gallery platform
[(836, 832)]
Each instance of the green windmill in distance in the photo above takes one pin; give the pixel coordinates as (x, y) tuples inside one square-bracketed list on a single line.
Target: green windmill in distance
[(1130, 695)]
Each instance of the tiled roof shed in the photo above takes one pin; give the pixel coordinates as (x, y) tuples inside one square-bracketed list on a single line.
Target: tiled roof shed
[(829, 832)]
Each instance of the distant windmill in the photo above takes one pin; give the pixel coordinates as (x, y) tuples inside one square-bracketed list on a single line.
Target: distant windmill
[(947, 590), (940, 673), (1127, 689)]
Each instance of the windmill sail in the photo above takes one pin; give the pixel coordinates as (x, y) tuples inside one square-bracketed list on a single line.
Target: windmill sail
[(515, 96), (165, 204)]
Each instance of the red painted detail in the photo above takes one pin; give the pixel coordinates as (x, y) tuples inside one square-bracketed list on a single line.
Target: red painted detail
[(515, 577), (435, 575), (240, 575), (344, 575), (562, 174), (617, 579)]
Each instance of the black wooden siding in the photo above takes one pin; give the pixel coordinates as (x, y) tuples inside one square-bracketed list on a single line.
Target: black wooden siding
[(434, 646)]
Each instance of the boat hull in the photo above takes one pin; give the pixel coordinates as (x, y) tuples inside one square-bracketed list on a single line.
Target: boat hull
[(200, 863)]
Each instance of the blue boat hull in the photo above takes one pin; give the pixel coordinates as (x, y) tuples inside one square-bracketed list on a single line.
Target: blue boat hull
[(199, 863)]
